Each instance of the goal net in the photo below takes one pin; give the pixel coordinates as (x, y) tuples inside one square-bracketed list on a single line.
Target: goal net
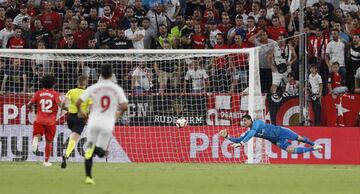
[(211, 89)]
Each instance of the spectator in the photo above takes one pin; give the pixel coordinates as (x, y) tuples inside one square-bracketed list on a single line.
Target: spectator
[(172, 9), (36, 79), (70, 42), (64, 39), (135, 34), (214, 31), (292, 86), (252, 30), (40, 33), (139, 11), (51, 20), (354, 62), (93, 19), (318, 42), (239, 66), (14, 77), (17, 41), (82, 35), (164, 35), (281, 57), (220, 67), (59, 7), (6, 33), (167, 70), (157, 18), (348, 6), (102, 35), (109, 17), (343, 36), (316, 87), (334, 78), (42, 60), (335, 52), (198, 38), (26, 32), (150, 34), (32, 10), (120, 41), (125, 23), (239, 9), (275, 30), (12, 9), (270, 9), (141, 79), (225, 24), (185, 33), (23, 14), (255, 11), (239, 28), (197, 75), (278, 13), (357, 81), (2, 17), (261, 39)]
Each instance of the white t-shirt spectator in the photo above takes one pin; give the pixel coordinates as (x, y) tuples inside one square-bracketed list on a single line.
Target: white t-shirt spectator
[(350, 7), (131, 34), (212, 36), (263, 52), (19, 18), (292, 88), (142, 78), (156, 19), (170, 7), (197, 76), (5, 35), (315, 81), (336, 51)]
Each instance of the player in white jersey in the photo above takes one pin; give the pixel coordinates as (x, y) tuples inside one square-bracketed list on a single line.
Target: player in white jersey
[(109, 104)]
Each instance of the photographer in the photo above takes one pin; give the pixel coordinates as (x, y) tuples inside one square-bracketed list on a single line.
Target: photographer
[(281, 57)]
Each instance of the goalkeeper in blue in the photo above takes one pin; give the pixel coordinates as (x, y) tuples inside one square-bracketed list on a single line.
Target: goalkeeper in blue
[(280, 136)]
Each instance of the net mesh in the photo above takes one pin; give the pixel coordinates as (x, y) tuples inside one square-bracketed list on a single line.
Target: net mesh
[(209, 90)]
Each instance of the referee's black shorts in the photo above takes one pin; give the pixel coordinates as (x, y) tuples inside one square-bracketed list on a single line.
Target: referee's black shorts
[(75, 123)]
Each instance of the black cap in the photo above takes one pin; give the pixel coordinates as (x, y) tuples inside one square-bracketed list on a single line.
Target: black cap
[(238, 16)]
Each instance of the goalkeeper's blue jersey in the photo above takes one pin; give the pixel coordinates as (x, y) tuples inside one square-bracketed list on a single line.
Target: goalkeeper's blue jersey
[(260, 129)]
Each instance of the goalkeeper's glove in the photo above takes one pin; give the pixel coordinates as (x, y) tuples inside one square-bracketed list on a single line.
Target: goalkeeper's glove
[(237, 145), (224, 134)]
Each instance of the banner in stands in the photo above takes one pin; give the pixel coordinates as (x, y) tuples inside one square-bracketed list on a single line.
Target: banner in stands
[(190, 144), (343, 110)]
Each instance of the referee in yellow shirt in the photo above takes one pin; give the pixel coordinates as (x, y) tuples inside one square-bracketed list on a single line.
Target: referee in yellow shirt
[(75, 123)]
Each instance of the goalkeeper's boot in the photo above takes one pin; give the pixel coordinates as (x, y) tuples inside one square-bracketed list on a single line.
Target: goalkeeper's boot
[(89, 181), (35, 143), (47, 164), (63, 163), (317, 147)]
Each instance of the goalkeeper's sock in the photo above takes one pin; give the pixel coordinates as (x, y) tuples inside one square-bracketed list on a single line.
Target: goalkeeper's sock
[(48, 148), (88, 166), (70, 147), (307, 141), (301, 150)]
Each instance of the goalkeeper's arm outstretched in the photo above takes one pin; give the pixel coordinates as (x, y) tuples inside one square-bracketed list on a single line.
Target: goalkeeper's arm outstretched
[(280, 136)]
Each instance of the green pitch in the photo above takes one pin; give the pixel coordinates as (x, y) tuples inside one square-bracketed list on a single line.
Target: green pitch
[(32, 178)]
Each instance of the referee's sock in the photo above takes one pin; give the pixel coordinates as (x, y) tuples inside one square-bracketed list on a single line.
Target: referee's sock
[(307, 141), (301, 150), (70, 147)]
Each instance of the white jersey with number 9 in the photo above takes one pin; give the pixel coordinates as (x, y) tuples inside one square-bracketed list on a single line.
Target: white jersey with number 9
[(106, 97)]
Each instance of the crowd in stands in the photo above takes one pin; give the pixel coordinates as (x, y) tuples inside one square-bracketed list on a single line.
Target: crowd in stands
[(332, 28)]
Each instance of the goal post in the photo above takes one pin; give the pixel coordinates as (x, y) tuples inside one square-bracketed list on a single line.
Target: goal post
[(212, 89)]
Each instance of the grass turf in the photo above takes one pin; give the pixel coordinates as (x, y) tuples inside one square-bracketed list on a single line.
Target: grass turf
[(163, 178)]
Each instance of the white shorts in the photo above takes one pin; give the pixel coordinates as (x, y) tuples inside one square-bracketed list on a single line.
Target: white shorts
[(99, 133), (278, 77)]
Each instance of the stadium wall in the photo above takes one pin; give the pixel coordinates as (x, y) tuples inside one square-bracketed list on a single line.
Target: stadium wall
[(190, 144)]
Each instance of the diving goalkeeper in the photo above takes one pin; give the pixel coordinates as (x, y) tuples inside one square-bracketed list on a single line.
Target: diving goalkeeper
[(280, 136)]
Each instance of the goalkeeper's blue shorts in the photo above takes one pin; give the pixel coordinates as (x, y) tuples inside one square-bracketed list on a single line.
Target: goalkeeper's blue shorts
[(285, 137)]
